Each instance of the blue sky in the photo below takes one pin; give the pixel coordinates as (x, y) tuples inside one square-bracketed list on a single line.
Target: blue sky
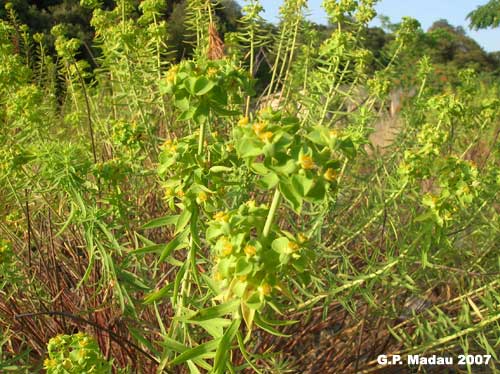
[(426, 11)]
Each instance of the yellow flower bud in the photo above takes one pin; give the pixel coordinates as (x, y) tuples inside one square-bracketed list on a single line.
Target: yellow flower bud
[(301, 238), (169, 146), (264, 289), (83, 342), (49, 363), (292, 247), (258, 127), (211, 72), (172, 73), (169, 192), (202, 197), (330, 175), (250, 250), (221, 216), (334, 133), (243, 121), (306, 162), (265, 136), (227, 248)]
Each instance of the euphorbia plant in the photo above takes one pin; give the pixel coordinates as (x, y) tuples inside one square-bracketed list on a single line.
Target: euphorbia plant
[(78, 354), (251, 255)]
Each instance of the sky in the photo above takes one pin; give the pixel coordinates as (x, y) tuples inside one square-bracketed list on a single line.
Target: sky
[(426, 11)]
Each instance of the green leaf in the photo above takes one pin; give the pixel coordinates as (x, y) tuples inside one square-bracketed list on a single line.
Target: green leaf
[(183, 220), (302, 184), (138, 335), (215, 326), (202, 86), (243, 267), (249, 148), (254, 301), (160, 222), (280, 245), (287, 168), (222, 111), (275, 322), (291, 195), (131, 279), (190, 84), (217, 229), (215, 311), (348, 148), (428, 215), (222, 353), (205, 350), (157, 295), (260, 322), (187, 114), (269, 181), (248, 316), (173, 345), (181, 100), (201, 112), (259, 168), (155, 248), (317, 193), (219, 96), (192, 368), (177, 243), (199, 85), (320, 135)]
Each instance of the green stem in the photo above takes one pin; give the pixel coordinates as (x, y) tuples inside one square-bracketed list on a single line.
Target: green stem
[(272, 212), (252, 57), (201, 139)]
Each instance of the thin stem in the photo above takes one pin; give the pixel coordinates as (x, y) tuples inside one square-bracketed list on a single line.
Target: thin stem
[(87, 105), (272, 213), (275, 67), (28, 221), (158, 64), (201, 139), (252, 57)]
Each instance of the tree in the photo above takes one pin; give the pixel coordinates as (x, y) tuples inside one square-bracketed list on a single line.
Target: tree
[(485, 16), (41, 15), (450, 45)]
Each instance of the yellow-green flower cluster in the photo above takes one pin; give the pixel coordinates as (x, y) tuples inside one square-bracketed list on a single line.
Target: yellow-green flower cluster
[(5, 252), (75, 354)]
